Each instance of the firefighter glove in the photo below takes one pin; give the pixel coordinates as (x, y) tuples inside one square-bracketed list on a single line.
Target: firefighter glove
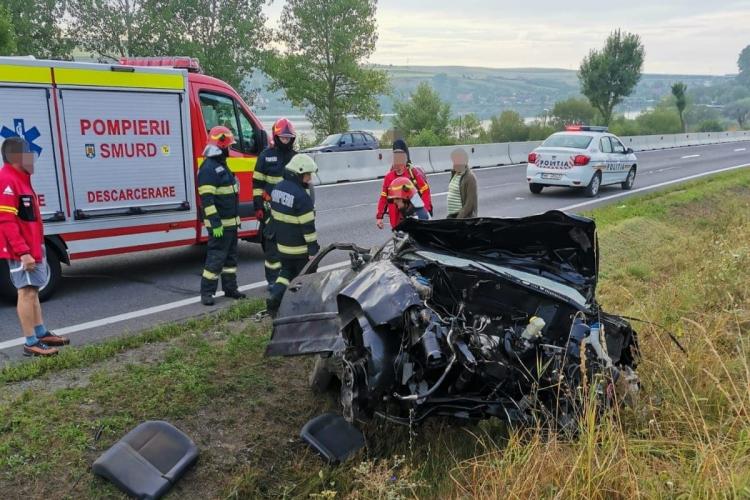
[(218, 232)]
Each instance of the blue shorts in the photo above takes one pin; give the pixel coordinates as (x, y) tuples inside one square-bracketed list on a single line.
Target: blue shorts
[(21, 279)]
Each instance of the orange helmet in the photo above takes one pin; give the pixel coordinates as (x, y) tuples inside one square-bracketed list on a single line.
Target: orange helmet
[(401, 187), (221, 137), (284, 128)]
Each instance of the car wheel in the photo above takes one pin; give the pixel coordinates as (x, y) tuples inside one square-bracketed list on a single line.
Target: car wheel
[(54, 275), (628, 184), (593, 188), (535, 188)]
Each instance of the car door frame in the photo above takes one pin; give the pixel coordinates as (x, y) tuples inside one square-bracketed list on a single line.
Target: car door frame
[(606, 159), (620, 160)]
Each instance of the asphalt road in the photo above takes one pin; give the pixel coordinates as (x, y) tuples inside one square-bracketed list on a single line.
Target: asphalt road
[(110, 296)]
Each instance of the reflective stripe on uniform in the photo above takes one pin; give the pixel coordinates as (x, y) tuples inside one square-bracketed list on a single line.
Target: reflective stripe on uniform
[(229, 270), (272, 265), (231, 222), (301, 250), (207, 223), (210, 210), (8, 209), (209, 275), (311, 238), (207, 189), (226, 190), (282, 281), (383, 193), (424, 188), (271, 179), (293, 219), (259, 176), (258, 192)]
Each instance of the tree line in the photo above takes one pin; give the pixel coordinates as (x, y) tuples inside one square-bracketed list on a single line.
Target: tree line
[(318, 56)]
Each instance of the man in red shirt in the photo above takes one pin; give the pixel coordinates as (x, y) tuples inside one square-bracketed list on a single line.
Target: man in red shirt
[(22, 245), (402, 167)]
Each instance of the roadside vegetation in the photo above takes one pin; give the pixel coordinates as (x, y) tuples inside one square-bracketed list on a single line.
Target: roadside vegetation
[(679, 259)]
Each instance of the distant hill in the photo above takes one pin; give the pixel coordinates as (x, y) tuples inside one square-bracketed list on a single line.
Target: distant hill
[(487, 91)]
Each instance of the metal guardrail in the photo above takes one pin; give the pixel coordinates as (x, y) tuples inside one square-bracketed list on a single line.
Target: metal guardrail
[(367, 165)]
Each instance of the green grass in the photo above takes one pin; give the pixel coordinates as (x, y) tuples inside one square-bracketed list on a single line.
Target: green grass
[(679, 258)]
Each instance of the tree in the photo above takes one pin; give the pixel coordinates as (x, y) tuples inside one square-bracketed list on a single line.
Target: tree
[(111, 29), (423, 111), (214, 32), (466, 128), (322, 67), (573, 110), (743, 63), (38, 28), (508, 127), (679, 90), (7, 35), (610, 75), (738, 110), (227, 37)]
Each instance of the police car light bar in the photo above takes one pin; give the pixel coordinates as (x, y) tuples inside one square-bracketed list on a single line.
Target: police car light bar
[(189, 63), (585, 128)]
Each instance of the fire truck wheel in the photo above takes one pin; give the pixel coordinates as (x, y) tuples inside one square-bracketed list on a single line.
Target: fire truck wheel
[(54, 273)]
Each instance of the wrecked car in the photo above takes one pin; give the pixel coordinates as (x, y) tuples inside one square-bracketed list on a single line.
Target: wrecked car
[(469, 319)]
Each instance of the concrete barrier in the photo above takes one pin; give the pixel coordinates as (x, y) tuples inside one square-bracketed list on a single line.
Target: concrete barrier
[(353, 166), (421, 158), (519, 151), (368, 165)]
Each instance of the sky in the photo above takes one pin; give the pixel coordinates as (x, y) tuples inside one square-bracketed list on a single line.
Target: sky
[(680, 36)]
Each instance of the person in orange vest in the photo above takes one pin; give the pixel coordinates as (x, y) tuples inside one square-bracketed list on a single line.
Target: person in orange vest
[(402, 167)]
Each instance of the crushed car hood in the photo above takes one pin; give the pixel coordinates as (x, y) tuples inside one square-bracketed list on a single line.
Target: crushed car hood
[(555, 245)]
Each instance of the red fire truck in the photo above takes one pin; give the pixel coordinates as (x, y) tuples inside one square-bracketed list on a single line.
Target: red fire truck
[(118, 146)]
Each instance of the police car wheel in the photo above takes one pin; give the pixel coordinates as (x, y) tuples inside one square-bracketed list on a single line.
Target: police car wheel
[(593, 188), (628, 184), (536, 188)]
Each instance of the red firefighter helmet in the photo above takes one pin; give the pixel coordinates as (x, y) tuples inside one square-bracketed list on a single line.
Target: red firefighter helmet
[(221, 137), (401, 187), (284, 128)]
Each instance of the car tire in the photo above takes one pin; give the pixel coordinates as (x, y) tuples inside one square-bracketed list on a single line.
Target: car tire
[(592, 190), (628, 184), (536, 188), (54, 276)]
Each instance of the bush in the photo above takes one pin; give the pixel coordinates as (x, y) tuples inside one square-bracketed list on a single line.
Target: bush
[(428, 137), (710, 126), (624, 127), (508, 127), (659, 121), (539, 132)]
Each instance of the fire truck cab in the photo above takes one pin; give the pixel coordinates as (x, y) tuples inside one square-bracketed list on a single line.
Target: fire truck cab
[(118, 147)]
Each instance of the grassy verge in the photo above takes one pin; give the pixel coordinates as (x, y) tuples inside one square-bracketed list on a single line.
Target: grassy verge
[(679, 258)]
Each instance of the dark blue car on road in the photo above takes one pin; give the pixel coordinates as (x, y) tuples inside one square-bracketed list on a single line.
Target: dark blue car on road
[(347, 141)]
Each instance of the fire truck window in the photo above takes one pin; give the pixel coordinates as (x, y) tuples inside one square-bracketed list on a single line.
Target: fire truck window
[(218, 110), (247, 134)]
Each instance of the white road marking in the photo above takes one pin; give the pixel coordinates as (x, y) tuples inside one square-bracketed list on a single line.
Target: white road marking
[(253, 286), (740, 149), (68, 330), (690, 156)]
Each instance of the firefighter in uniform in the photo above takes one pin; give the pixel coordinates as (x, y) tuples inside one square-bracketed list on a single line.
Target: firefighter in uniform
[(219, 192), (293, 214), (269, 171)]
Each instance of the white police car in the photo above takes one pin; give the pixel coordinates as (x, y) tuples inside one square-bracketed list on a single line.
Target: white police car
[(584, 157)]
